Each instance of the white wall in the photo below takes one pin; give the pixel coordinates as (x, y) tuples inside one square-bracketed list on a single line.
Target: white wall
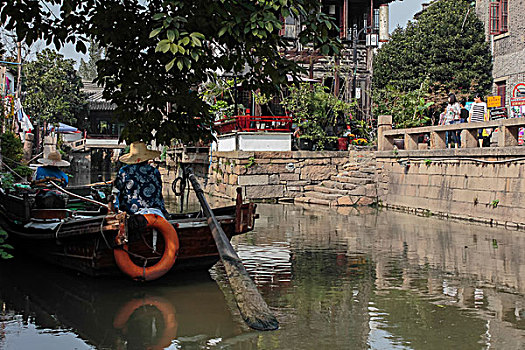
[(254, 141)]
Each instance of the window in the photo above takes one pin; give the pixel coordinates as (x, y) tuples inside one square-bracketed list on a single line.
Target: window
[(376, 20), (289, 28), (499, 14), (502, 91)]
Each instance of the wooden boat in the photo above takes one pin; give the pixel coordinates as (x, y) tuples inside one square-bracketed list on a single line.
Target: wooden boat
[(87, 239)]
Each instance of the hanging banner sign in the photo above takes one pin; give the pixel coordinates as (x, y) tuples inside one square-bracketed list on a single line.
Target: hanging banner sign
[(518, 95), (493, 101)]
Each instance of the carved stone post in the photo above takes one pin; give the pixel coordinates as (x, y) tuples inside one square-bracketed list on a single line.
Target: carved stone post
[(384, 123)]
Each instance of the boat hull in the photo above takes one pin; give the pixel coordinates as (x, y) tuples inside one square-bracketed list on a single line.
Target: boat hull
[(86, 242)]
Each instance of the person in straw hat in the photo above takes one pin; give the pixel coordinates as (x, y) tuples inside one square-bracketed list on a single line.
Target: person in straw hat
[(50, 168), (138, 186)]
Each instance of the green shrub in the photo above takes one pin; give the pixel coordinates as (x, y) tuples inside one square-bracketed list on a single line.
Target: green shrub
[(12, 149)]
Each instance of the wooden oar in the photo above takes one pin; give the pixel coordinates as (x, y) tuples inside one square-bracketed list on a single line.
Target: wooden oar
[(103, 183), (252, 306)]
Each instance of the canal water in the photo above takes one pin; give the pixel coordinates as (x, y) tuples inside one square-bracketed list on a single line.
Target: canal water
[(335, 279)]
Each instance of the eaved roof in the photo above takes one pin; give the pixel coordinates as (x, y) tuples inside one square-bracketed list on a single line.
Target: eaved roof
[(95, 99)]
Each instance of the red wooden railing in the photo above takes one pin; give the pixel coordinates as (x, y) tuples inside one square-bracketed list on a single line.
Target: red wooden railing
[(254, 124)]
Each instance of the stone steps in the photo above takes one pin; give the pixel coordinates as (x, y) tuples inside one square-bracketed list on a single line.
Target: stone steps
[(311, 200), (338, 185), (350, 187), (351, 180), (330, 190), (358, 174), (322, 195)]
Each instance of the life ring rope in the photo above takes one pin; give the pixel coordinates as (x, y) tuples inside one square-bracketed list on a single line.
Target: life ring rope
[(148, 273)]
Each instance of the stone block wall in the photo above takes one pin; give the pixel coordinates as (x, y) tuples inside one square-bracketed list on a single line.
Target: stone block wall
[(271, 175), (486, 186)]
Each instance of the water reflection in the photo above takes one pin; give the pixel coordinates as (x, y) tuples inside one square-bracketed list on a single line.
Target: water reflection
[(115, 314), (357, 279)]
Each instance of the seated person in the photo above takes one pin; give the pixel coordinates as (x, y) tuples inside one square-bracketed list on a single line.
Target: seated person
[(50, 168), (138, 186)]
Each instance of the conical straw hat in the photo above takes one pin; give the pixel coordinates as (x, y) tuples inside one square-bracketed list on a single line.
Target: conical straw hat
[(138, 153), (54, 159)]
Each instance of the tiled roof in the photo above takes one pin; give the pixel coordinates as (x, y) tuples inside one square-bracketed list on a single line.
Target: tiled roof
[(95, 99)]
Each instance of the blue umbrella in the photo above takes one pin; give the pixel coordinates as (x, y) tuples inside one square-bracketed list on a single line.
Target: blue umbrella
[(62, 128)]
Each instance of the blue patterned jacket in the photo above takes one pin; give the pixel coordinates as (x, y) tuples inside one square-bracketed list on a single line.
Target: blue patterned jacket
[(139, 186)]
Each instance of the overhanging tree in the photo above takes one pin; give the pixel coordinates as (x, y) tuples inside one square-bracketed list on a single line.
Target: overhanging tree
[(52, 89), (444, 49), (158, 52)]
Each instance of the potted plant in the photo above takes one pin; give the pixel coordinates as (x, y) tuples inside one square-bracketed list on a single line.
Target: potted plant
[(314, 109), (305, 143)]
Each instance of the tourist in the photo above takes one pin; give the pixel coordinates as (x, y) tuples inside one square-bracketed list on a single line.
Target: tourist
[(50, 169), (452, 116), (138, 186), (464, 114), (479, 113)]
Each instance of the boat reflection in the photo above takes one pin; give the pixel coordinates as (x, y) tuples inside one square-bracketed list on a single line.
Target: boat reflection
[(115, 313)]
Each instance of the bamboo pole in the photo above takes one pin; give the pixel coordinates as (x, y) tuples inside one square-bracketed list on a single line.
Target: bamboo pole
[(252, 306)]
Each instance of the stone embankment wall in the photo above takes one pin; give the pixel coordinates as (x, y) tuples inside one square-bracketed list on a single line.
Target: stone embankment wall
[(482, 184), (271, 175)]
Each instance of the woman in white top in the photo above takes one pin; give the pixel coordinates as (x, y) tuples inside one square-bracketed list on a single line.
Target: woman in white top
[(452, 116), (478, 113)]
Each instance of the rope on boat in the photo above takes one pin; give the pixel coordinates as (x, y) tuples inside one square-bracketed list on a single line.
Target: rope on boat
[(102, 233), (138, 256), (11, 170), (78, 196), (183, 180), (58, 229)]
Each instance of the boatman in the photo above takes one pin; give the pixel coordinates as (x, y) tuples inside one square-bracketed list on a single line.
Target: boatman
[(138, 186), (50, 169)]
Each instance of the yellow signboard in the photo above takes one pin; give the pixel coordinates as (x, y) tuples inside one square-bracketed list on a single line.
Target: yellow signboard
[(493, 101)]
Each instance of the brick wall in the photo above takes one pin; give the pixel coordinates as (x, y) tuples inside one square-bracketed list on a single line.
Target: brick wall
[(508, 48)]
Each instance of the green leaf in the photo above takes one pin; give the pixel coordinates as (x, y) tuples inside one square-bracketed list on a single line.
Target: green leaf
[(186, 40), (155, 32), (171, 35), (158, 16), (163, 46), (187, 62), (174, 48), (180, 65), (198, 35), (269, 26), (222, 31), (170, 65), (195, 56), (196, 42), (5, 255), (7, 246)]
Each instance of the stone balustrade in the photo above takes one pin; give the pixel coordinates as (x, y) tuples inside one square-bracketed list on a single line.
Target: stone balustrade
[(507, 133)]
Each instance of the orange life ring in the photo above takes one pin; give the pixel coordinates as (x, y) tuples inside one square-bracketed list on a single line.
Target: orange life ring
[(171, 249), (168, 315)]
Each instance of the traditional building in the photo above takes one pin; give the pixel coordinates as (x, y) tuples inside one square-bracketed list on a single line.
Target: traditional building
[(505, 31), (101, 118), (362, 25)]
